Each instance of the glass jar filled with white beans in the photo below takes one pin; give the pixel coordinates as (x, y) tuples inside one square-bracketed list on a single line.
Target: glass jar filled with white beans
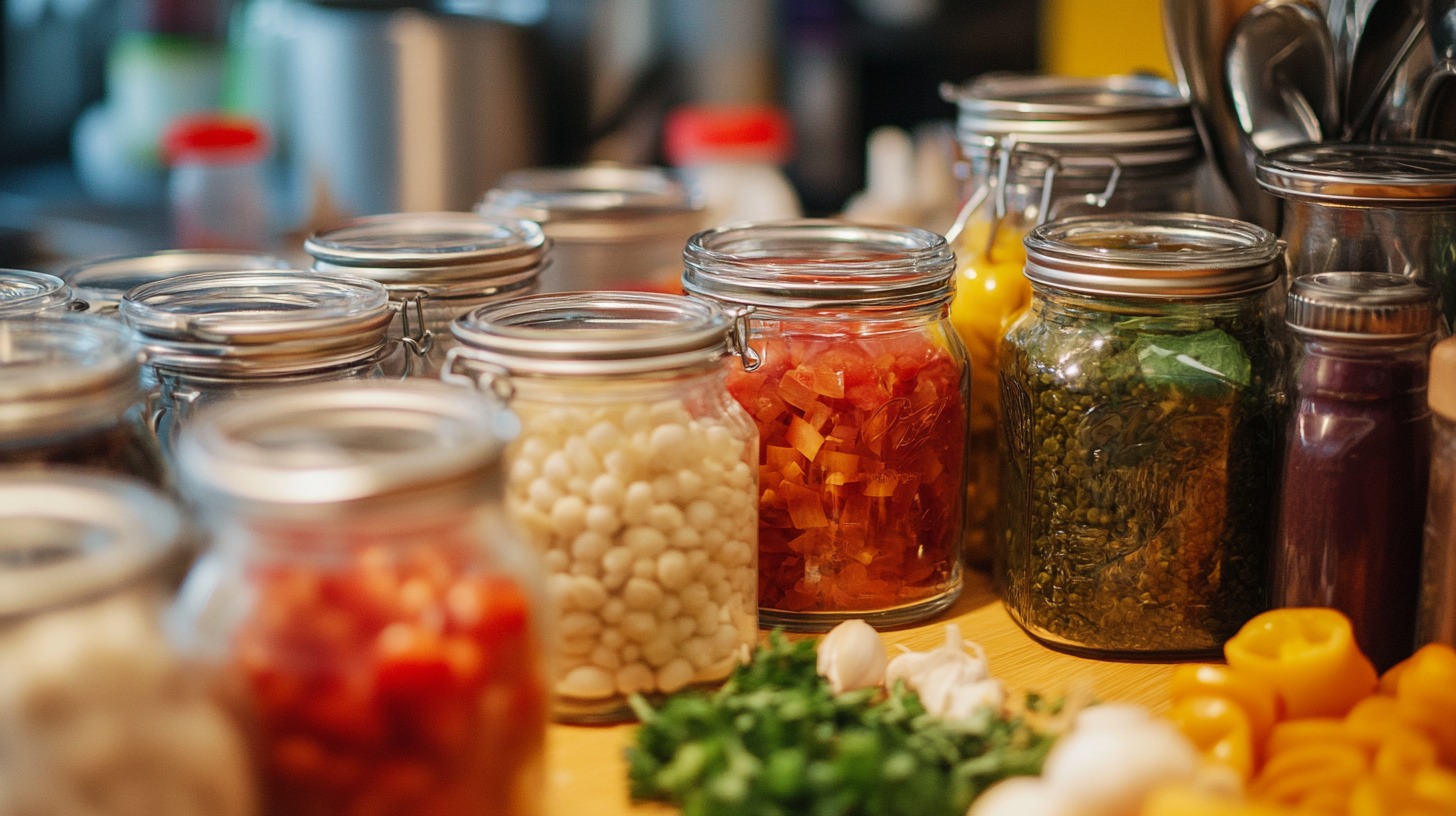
[(634, 475)]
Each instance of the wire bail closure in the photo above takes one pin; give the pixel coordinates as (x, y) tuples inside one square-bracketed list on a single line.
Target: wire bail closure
[(738, 338), (463, 368)]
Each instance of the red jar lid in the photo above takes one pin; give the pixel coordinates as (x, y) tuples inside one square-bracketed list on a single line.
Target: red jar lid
[(216, 138), (699, 133)]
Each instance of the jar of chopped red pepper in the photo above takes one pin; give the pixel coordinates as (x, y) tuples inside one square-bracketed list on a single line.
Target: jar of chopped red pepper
[(859, 388), (365, 601)]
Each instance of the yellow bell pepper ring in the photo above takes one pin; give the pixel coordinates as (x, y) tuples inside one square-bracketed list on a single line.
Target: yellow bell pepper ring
[(1252, 694), (1219, 729), (1308, 656)]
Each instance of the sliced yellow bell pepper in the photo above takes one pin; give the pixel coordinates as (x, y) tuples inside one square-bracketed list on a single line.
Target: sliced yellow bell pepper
[(1308, 655), (1182, 800), (1254, 695), (1219, 729)]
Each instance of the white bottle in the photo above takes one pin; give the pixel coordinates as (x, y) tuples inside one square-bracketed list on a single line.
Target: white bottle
[(733, 156)]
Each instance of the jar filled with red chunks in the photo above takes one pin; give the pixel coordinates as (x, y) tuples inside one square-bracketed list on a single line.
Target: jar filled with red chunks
[(858, 385), (364, 602)]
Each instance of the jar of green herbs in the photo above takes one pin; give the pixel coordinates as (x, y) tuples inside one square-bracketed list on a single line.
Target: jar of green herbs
[(1138, 434)]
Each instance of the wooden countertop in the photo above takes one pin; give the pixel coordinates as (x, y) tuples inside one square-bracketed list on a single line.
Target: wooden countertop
[(587, 774)]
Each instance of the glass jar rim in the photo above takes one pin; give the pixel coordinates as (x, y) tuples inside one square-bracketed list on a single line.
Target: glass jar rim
[(23, 292), (820, 264), (102, 282), (63, 372), (597, 202), (336, 445), (1362, 306), (1409, 173), (597, 334), (67, 537), (1152, 255), (424, 248)]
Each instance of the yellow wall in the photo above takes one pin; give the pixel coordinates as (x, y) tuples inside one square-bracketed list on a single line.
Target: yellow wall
[(1100, 37)]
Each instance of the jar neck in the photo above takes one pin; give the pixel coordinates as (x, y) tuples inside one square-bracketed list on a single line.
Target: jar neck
[(1363, 370), (576, 390), (1050, 302)]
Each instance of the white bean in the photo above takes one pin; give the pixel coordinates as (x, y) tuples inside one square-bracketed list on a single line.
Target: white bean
[(642, 595), (586, 682), (635, 677), (674, 676), (672, 570)]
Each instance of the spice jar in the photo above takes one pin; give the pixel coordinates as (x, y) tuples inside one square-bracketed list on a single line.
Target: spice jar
[(1437, 616), (435, 267), (100, 714), (29, 294), (1357, 454), (1138, 432), (1386, 207), (1036, 148), (101, 282), (216, 335), (367, 601), (634, 477), (859, 391), (611, 226), (71, 394)]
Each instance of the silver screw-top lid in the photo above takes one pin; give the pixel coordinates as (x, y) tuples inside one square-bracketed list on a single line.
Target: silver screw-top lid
[(1163, 256), (601, 334), (24, 293), (1362, 306), (597, 202), (65, 374), (1413, 174), (101, 282), (67, 538)]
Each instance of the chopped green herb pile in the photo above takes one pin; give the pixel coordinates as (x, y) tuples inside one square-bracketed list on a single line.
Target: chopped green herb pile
[(775, 740)]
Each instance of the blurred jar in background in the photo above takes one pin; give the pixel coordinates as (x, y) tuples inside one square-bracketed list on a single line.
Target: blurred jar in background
[(31, 294), (100, 714), (216, 191), (366, 597), (611, 226), (1036, 148), (734, 157)]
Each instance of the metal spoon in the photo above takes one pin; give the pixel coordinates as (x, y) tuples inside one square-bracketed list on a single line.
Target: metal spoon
[(1389, 35), (1281, 79)]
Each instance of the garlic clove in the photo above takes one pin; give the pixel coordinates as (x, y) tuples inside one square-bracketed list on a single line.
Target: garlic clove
[(964, 660), (852, 657)]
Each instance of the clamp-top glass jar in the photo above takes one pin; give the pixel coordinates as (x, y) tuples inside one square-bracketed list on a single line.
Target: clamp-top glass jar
[(1138, 427), (213, 335), (98, 708), (1387, 207), (634, 476), (611, 226), (102, 282), (30, 294), (858, 387), (1037, 148), (435, 266), (365, 597), (71, 394)]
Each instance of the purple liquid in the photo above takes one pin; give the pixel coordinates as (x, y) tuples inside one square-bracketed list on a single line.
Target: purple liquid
[(1356, 466)]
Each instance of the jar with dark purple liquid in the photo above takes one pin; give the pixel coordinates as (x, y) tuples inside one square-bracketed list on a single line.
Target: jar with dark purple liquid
[(1357, 454)]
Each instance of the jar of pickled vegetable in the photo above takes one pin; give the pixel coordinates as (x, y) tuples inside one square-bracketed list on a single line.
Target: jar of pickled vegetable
[(71, 395), (366, 601), (634, 477), (858, 386), (1035, 148), (101, 715), (30, 294), (211, 336), (102, 282), (435, 266), (1138, 434)]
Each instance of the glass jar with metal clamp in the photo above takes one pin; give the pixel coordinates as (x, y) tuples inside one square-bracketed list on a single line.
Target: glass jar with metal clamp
[(435, 266), (1035, 148), (102, 282)]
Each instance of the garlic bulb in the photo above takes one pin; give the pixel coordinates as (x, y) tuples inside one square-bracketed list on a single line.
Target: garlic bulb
[(852, 657), (953, 679)]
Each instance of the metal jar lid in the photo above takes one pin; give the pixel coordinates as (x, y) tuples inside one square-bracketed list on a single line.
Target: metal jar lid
[(597, 202), (1391, 174), (65, 374), (334, 446), (263, 322), (443, 254), (1163, 256), (24, 293), (101, 282), (67, 538), (1138, 120), (1362, 306), (601, 334), (820, 264)]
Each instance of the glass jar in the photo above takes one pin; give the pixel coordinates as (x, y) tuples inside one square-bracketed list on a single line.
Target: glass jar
[(1436, 622), (858, 387), (435, 266), (30, 294), (216, 335), (1033, 149), (101, 282), (1357, 454), (71, 394), (1138, 434), (100, 714), (366, 601), (633, 476), (611, 226), (1387, 207)]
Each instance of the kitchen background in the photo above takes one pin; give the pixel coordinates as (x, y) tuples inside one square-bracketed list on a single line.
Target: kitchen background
[(384, 105)]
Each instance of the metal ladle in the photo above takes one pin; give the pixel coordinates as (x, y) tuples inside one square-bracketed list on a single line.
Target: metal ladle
[(1281, 77), (1390, 33)]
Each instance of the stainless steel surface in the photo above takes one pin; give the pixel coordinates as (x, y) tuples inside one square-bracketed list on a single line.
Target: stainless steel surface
[(1392, 32), (1280, 72)]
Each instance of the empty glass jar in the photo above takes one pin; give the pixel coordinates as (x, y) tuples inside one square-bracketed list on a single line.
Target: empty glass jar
[(101, 282)]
